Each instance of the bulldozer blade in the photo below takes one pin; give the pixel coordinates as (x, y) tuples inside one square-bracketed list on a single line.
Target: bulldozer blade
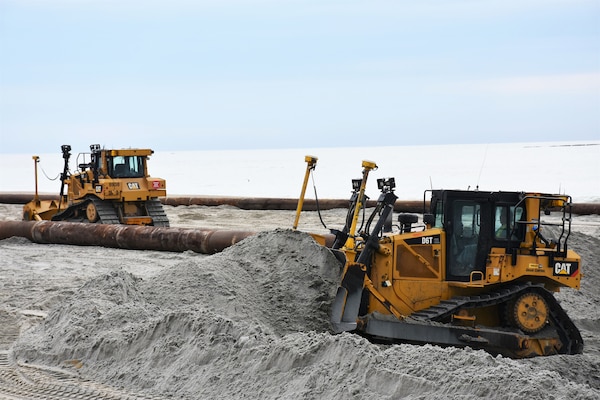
[(347, 301)]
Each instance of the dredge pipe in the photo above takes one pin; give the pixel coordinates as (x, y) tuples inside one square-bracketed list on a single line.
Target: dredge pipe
[(24, 198), (16, 228), (132, 237), (270, 203)]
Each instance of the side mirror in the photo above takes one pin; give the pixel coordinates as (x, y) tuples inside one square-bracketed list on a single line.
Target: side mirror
[(406, 221), (428, 219)]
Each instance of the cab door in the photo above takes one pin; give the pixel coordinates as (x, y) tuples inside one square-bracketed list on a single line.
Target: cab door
[(464, 227)]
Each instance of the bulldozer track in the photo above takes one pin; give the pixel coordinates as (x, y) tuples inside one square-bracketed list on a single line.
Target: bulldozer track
[(20, 382), (157, 212), (446, 308), (568, 332), (68, 214), (106, 212)]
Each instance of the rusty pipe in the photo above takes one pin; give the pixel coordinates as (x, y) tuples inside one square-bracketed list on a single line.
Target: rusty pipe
[(134, 237), (16, 228), (269, 203), (266, 203)]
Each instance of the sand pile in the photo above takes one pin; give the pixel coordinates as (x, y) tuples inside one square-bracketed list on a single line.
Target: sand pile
[(252, 323), (191, 315)]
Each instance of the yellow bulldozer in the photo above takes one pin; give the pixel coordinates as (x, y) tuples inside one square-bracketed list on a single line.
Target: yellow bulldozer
[(108, 187), (480, 270)]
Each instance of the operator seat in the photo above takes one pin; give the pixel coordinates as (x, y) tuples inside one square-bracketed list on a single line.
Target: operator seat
[(120, 171)]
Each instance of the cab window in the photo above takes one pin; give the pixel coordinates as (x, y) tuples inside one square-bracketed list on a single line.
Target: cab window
[(505, 222), (439, 215), (126, 167)]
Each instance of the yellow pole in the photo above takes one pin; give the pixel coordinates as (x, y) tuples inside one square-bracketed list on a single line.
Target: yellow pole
[(350, 242), (311, 163), (35, 161)]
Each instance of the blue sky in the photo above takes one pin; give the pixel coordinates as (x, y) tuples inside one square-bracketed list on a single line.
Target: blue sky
[(259, 74)]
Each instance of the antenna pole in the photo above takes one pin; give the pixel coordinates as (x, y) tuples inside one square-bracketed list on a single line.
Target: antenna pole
[(311, 163), (482, 164)]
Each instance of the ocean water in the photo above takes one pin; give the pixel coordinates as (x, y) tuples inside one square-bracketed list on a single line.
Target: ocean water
[(571, 168)]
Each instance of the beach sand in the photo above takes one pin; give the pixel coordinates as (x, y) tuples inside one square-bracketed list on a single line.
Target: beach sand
[(251, 322)]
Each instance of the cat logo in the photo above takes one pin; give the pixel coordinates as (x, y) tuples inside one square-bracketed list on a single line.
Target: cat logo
[(562, 268), (133, 185)]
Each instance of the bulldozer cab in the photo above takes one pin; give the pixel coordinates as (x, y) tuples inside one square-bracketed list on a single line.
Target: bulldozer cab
[(480, 273), (126, 163), (475, 222)]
